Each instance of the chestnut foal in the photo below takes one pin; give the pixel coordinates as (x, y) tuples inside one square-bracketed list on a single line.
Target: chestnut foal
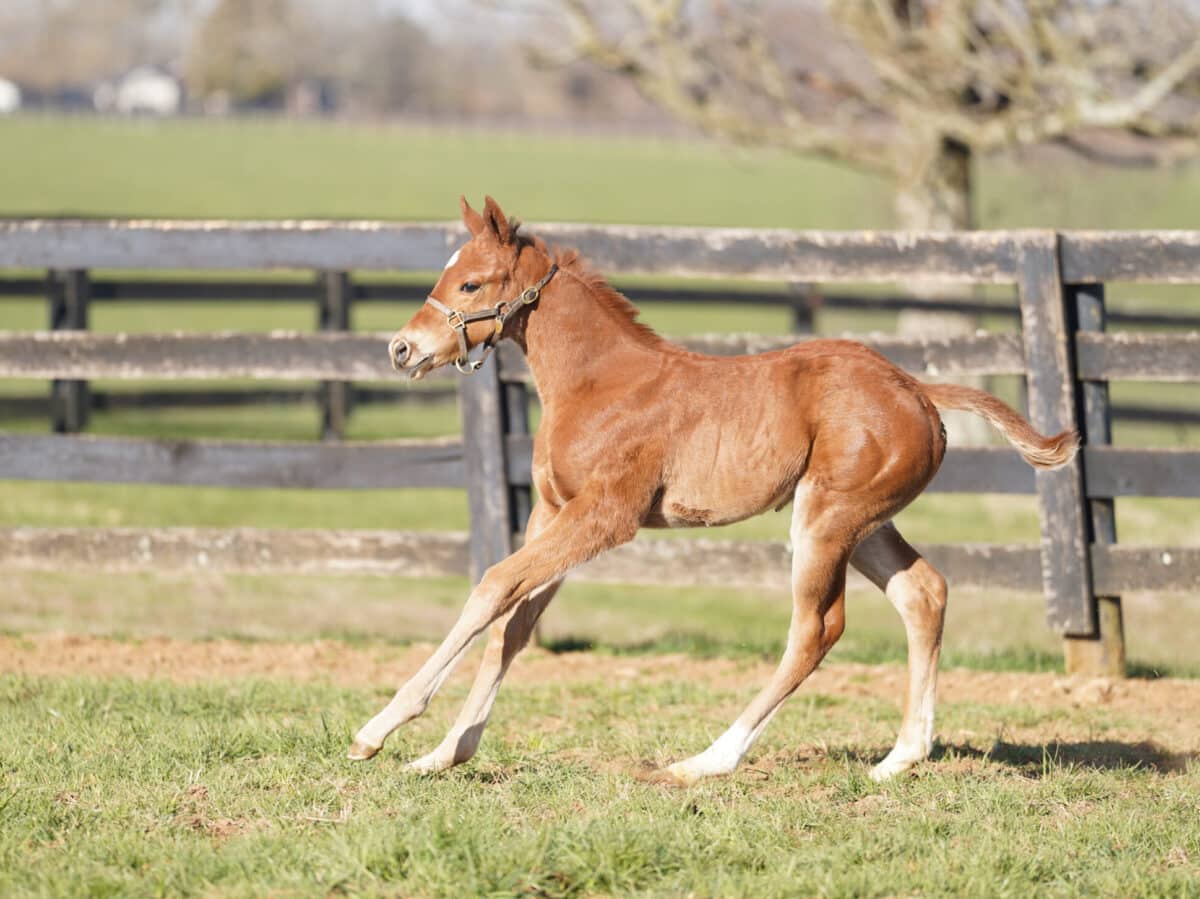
[(638, 432)]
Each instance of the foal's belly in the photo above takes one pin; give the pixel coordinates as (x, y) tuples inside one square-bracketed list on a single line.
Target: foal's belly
[(712, 505)]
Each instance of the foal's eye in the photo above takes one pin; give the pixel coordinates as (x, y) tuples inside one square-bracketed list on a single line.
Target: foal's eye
[(469, 287)]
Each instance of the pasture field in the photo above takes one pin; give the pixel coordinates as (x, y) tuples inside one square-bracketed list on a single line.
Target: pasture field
[(210, 762), (216, 769), (274, 169)]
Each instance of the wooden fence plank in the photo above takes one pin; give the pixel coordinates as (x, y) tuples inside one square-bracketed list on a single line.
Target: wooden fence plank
[(1047, 338), (806, 256), (1126, 568), (488, 494), (281, 355), (334, 315), (1138, 357), (249, 550), (148, 244), (70, 296), (291, 355), (744, 564), (212, 463), (983, 469), (1162, 257), (1103, 653), (1125, 471), (816, 256)]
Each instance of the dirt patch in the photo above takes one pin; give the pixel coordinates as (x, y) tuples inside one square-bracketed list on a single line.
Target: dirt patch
[(1162, 717)]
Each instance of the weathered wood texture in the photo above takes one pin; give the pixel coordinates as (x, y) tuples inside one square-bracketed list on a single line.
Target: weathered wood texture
[(743, 564), (485, 459), (1162, 257), (213, 463), (290, 355), (1101, 654), (807, 302), (1128, 568), (1066, 571), (1121, 471), (334, 315), (518, 440), (405, 553), (281, 355), (1138, 357), (692, 252), (69, 295)]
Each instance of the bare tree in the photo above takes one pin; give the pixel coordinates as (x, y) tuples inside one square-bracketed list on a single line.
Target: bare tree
[(250, 50), (910, 89), (75, 43)]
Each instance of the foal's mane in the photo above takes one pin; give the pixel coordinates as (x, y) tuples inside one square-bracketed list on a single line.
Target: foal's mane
[(598, 289)]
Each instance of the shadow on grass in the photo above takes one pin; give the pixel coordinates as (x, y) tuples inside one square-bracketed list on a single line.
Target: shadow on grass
[(1038, 760)]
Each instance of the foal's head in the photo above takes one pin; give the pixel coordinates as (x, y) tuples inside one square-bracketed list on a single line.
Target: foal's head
[(485, 275)]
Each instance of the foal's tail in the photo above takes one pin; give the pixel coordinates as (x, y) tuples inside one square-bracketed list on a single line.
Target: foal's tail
[(1038, 451)]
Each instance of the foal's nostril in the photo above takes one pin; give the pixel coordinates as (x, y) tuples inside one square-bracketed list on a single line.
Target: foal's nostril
[(399, 350)]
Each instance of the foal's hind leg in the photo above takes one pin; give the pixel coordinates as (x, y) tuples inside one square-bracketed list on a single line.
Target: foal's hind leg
[(818, 618), (918, 592)]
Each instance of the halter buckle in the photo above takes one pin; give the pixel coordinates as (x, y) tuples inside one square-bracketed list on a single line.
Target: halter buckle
[(466, 366), (455, 320), (529, 295)]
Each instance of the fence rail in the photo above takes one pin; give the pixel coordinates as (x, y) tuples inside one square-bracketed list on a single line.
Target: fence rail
[(1062, 352)]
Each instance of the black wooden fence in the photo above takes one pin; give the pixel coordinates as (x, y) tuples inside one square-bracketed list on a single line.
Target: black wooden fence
[(1064, 353), (70, 295)]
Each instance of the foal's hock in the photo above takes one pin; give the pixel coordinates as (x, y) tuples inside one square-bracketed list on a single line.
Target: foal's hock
[(638, 432)]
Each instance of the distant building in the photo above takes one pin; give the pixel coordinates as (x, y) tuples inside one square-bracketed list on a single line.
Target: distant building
[(142, 91), (10, 97)]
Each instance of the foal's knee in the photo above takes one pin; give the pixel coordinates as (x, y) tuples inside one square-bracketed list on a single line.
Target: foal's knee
[(834, 626)]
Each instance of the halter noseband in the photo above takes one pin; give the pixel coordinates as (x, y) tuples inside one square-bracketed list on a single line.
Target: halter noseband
[(500, 315)]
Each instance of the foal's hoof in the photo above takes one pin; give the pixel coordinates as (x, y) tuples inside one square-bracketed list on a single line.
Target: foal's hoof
[(889, 768), (663, 777), (360, 751)]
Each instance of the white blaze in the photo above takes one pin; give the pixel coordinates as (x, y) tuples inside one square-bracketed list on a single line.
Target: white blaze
[(453, 259)]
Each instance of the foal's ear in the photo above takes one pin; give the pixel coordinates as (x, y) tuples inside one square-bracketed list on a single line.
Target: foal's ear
[(497, 222), (472, 219)]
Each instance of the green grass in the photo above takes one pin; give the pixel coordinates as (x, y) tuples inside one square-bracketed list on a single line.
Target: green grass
[(115, 787), (286, 169)]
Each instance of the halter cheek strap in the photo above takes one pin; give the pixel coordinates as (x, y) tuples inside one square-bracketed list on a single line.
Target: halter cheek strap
[(500, 315)]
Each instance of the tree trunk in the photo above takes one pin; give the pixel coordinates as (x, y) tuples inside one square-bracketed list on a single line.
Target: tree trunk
[(936, 196)]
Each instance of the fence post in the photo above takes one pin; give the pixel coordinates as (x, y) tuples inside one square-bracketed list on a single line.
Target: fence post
[(486, 464), (334, 396), (516, 423), (1104, 652), (805, 300), (1049, 364), (68, 292)]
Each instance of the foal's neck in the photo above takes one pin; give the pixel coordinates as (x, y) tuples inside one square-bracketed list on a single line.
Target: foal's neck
[(577, 335)]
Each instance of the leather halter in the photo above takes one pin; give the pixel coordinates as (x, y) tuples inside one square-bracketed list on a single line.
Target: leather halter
[(500, 315)]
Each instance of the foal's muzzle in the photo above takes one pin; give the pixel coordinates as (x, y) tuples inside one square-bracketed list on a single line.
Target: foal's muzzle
[(398, 352)]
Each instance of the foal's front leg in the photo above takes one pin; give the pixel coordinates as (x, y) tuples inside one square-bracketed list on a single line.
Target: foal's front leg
[(507, 637), (595, 520)]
